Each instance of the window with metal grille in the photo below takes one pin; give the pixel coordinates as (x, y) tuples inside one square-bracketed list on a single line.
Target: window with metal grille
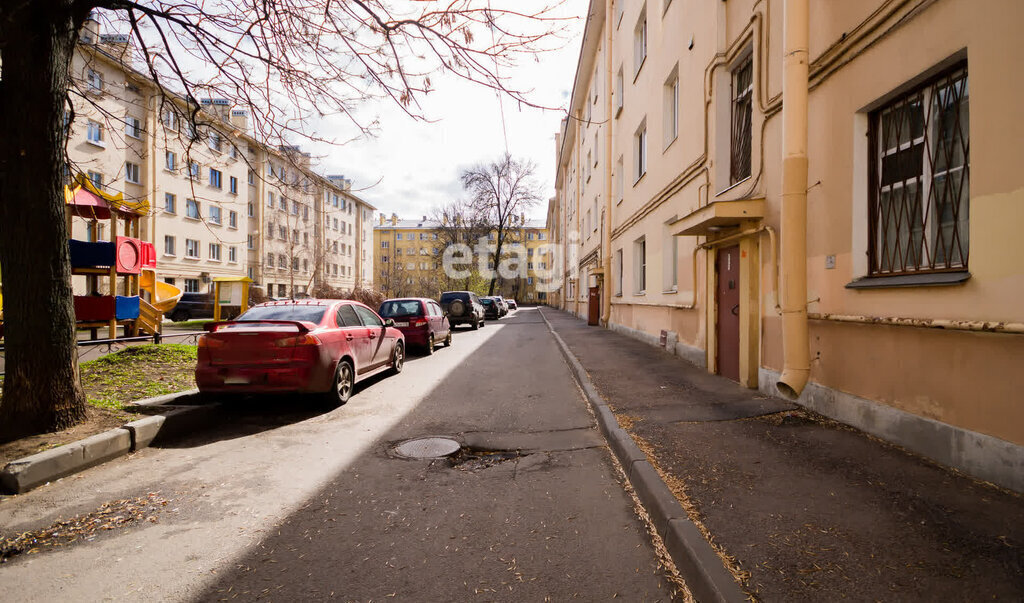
[(920, 172), (742, 107)]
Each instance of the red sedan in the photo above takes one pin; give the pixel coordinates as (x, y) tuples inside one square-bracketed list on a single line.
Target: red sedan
[(305, 346)]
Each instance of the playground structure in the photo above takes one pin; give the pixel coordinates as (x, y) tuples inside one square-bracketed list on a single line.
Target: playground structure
[(134, 298)]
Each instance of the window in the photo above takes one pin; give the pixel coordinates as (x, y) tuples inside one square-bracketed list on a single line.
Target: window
[(233, 255), (215, 141), (742, 109), (215, 176), (131, 172), (191, 285), (233, 185), (640, 265), (383, 244), (192, 209), (398, 236), (94, 79), (94, 132), (670, 260), (233, 151), (282, 203), (192, 249), (920, 178), (250, 242), (270, 199), (305, 212), (214, 252), (597, 213), (295, 236), (170, 119), (252, 177), (281, 261), (295, 208), (295, 264), (193, 170), (640, 41), (133, 127), (282, 233), (305, 265), (169, 245), (270, 260), (170, 161), (305, 238), (620, 178), (215, 215), (96, 178), (251, 210), (233, 219), (282, 291), (620, 90), (640, 151), (671, 98), (170, 201)]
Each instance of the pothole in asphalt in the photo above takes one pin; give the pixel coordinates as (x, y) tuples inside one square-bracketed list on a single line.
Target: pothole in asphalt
[(472, 459), (427, 448)]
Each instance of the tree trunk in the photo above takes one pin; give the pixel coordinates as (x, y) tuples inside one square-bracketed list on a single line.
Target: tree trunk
[(41, 390)]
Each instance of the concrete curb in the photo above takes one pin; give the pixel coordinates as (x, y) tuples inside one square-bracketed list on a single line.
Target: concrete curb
[(21, 475), (698, 563)]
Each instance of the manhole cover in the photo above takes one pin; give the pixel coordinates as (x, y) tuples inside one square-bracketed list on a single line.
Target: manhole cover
[(427, 448)]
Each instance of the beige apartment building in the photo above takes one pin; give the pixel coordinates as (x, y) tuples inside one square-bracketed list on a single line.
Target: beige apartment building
[(836, 246), (223, 203)]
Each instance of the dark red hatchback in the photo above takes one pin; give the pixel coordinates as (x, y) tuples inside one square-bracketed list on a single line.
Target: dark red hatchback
[(307, 346), (421, 320)]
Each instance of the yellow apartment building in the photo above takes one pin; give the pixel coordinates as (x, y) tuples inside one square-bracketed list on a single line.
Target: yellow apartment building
[(408, 259), (784, 187)]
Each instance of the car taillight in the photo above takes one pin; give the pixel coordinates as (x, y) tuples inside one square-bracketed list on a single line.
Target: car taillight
[(419, 322), (206, 342), (298, 340)]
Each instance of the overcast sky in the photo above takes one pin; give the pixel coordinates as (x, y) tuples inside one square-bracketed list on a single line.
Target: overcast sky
[(418, 163)]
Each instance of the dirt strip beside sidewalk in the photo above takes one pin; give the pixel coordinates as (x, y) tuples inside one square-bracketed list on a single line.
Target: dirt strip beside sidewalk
[(805, 508)]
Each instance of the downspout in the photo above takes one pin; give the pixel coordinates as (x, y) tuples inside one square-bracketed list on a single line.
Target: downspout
[(606, 244), (796, 350), (579, 173)]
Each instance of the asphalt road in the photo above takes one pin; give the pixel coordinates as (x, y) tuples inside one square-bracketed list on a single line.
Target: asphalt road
[(286, 500)]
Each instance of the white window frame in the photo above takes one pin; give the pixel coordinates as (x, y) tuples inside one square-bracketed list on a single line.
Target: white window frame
[(189, 205), (640, 153), (94, 133), (214, 252), (640, 266), (170, 161), (170, 203), (216, 215), (640, 42), (131, 173), (670, 94), (133, 127), (192, 249), (170, 246)]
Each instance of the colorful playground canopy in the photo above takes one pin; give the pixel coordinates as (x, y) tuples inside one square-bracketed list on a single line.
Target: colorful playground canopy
[(85, 200)]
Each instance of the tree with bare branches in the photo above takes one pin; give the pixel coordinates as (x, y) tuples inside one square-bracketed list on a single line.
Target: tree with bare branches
[(286, 61), (501, 193)]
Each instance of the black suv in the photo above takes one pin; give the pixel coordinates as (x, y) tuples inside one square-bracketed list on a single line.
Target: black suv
[(192, 305), (463, 308)]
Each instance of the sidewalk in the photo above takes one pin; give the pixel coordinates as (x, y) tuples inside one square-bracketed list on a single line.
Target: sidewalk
[(801, 507)]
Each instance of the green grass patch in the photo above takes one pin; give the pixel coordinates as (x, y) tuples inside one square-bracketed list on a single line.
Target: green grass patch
[(138, 372), (195, 325)]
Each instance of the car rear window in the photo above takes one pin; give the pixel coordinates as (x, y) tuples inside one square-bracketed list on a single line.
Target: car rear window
[(448, 297), (400, 307), (303, 312)]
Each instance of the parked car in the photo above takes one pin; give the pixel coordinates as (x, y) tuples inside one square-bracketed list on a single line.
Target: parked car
[(491, 309), (192, 305), (463, 307), (502, 305), (512, 305), (307, 346), (421, 320)]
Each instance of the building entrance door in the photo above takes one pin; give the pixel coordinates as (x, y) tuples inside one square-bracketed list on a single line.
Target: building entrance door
[(727, 269), (594, 306)]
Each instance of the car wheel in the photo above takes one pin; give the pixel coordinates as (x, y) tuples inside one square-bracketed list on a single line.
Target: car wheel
[(398, 359), (344, 381), (430, 344), (476, 324), (448, 339)]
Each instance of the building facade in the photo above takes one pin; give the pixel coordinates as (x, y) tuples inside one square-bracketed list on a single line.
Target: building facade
[(223, 203), (409, 259), (676, 209)]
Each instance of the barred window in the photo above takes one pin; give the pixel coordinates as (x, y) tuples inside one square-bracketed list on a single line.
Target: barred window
[(920, 172), (742, 108)]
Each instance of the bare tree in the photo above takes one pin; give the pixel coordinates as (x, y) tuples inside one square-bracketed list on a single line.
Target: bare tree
[(457, 223), (502, 192), (286, 61)]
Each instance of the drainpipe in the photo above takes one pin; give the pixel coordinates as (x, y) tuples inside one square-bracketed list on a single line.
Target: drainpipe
[(606, 244), (796, 350)]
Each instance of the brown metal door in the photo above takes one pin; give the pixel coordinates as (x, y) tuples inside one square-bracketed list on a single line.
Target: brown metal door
[(727, 268), (594, 306)]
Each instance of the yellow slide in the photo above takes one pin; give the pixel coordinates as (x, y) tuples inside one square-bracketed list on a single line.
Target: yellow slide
[(165, 296)]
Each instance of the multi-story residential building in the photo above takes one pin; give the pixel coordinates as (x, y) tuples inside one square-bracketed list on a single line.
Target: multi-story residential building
[(223, 203), (408, 258), (845, 245)]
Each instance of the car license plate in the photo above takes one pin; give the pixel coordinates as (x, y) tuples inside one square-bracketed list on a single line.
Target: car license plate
[(401, 324), (236, 380)]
